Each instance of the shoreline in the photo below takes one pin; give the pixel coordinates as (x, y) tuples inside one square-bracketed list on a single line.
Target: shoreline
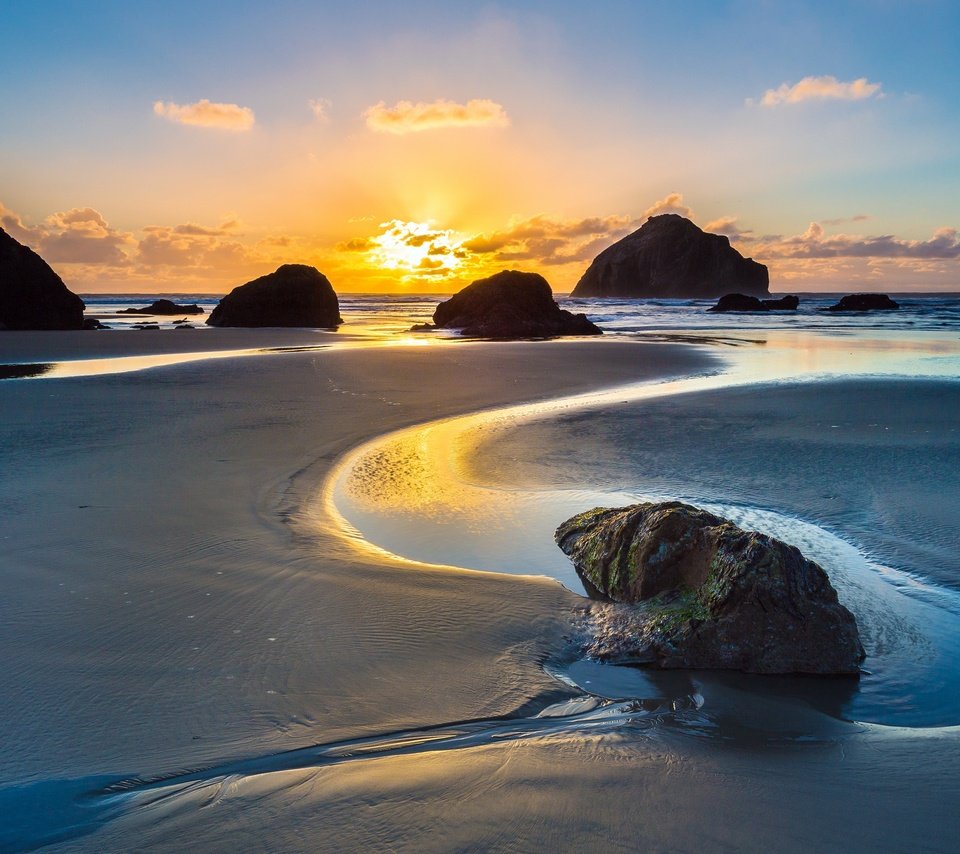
[(250, 632)]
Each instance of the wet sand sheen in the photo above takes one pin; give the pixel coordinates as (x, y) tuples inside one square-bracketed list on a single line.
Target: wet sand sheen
[(486, 491), (183, 609)]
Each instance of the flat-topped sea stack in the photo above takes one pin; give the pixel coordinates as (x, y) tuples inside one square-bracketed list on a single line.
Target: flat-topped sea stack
[(296, 295), (745, 302), (510, 304), (864, 302), (164, 307), (32, 296), (670, 257), (706, 594)]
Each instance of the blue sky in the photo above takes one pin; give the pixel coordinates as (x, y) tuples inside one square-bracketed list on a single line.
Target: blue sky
[(580, 112)]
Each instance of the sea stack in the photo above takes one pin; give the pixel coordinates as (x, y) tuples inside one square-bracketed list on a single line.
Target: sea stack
[(704, 593), (670, 257), (32, 296), (295, 295), (510, 304), (864, 302)]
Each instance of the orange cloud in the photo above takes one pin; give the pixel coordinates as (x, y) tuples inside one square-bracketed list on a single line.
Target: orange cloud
[(551, 241), (826, 88), (207, 114), (672, 203), (407, 117)]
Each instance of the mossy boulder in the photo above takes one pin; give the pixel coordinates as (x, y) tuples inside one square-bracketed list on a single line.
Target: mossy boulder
[(706, 594)]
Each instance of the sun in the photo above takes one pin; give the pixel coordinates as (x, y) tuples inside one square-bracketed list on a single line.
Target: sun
[(416, 249)]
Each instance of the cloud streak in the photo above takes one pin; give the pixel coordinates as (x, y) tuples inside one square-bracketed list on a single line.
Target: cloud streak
[(825, 88), (944, 244), (408, 117), (207, 114), (550, 241)]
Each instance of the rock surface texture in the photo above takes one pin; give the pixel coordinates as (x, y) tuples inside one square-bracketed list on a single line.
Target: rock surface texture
[(704, 593), (865, 302), (32, 296), (295, 295), (510, 304), (669, 256), (165, 306)]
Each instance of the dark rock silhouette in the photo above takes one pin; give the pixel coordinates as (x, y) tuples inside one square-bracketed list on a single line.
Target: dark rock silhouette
[(706, 594), (745, 302), (785, 303), (32, 296), (669, 256), (295, 295), (164, 306), (864, 302), (738, 302), (510, 304), (92, 323)]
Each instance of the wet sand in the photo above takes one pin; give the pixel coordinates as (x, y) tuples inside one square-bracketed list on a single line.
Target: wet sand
[(175, 608)]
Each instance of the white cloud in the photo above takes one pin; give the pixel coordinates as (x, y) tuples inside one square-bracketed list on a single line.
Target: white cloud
[(825, 88), (207, 114), (407, 117)]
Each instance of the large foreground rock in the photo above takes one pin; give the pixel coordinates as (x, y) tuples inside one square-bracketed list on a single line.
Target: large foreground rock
[(294, 295), (865, 302), (164, 307), (707, 594), (32, 296), (670, 257), (510, 304)]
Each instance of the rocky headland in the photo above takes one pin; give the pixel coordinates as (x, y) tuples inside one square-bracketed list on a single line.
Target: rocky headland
[(510, 304), (696, 591), (670, 257), (32, 295), (295, 295)]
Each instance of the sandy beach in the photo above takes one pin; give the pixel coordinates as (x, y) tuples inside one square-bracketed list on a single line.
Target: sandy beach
[(195, 654)]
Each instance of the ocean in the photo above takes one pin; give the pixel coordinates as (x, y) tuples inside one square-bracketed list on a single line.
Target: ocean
[(391, 313)]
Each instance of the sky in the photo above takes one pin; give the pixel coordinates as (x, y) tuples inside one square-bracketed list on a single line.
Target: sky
[(188, 147)]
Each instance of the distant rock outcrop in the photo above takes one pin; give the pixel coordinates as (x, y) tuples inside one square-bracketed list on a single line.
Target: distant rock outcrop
[(164, 306), (32, 296), (510, 304), (706, 594), (785, 303), (670, 257), (864, 302), (738, 302), (744, 302), (294, 295)]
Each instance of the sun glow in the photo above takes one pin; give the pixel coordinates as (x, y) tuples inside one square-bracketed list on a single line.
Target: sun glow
[(417, 249)]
